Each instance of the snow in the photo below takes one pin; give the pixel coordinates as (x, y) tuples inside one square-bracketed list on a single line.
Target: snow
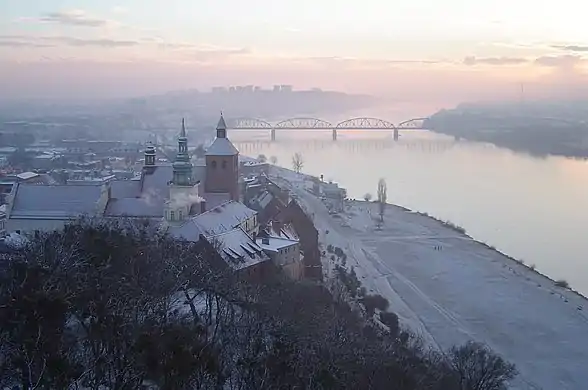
[(274, 244), (222, 147), (449, 289)]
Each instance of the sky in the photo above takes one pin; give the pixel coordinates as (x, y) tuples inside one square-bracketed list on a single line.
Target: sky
[(419, 50)]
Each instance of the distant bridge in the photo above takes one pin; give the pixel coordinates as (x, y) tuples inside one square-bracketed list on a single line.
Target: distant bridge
[(362, 123)]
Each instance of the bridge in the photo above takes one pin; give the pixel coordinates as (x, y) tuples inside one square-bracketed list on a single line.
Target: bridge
[(361, 123)]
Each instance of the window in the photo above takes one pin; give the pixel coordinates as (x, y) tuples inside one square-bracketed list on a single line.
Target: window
[(180, 215), (171, 215), (224, 164), (213, 164)]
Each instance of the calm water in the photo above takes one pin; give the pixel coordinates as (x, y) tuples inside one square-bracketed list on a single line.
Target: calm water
[(530, 208)]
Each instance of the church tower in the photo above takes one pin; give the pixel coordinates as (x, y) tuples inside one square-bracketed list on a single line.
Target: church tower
[(182, 192), (222, 164), (182, 175)]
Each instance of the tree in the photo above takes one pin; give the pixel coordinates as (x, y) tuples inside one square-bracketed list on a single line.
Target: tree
[(367, 197), (382, 197), (478, 368), (297, 162), (273, 160), (262, 158)]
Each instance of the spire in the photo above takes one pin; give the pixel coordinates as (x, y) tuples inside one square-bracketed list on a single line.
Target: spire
[(183, 131), (221, 127)]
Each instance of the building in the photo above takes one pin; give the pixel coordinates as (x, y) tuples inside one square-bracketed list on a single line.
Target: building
[(282, 245), (170, 193), (240, 252), (222, 164)]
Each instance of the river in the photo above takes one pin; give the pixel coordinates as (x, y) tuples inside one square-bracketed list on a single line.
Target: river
[(533, 209)]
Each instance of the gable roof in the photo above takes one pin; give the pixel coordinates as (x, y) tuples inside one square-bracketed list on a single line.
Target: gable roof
[(222, 147), (54, 201), (237, 249), (223, 218)]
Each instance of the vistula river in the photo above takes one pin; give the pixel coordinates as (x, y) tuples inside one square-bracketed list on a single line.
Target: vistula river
[(533, 209)]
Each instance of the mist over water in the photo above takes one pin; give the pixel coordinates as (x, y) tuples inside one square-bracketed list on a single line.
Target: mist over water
[(534, 209)]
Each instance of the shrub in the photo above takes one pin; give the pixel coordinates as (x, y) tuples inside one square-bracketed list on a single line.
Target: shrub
[(391, 321), (477, 368), (373, 302), (561, 283)]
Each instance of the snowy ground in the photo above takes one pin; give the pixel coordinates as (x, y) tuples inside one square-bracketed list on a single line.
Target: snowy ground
[(449, 289)]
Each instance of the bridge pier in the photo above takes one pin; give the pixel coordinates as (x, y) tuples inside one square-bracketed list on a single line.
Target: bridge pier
[(273, 134), (396, 136), (334, 134)]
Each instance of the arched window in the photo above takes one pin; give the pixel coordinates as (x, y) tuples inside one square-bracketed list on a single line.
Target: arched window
[(213, 164), (224, 164), (171, 215), (180, 215)]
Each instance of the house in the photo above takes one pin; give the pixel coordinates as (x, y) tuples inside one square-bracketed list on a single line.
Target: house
[(163, 192), (285, 253), (240, 253), (303, 225), (220, 219)]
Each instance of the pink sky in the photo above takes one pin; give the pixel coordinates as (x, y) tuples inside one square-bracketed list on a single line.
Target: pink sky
[(422, 52)]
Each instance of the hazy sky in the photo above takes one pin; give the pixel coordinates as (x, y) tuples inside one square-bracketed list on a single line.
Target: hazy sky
[(433, 50)]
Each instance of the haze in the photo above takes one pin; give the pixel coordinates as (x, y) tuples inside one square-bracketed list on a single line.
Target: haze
[(428, 51)]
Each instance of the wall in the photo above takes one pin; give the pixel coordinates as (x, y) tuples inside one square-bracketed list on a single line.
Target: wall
[(13, 224), (221, 179)]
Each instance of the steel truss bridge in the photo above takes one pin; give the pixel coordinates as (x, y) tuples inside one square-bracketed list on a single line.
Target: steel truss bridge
[(363, 123)]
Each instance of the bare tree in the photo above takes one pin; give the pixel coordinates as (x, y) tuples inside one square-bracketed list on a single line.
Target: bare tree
[(297, 162), (262, 158), (367, 197), (273, 160), (478, 368), (382, 197)]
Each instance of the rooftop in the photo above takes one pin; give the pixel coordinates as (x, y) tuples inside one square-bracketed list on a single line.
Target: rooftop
[(237, 249), (274, 244), (54, 201), (222, 147), (223, 218)]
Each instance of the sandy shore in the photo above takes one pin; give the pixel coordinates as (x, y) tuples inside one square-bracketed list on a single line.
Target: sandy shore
[(449, 288)]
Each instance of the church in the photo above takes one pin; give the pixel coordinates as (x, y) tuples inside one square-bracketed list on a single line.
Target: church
[(170, 193)]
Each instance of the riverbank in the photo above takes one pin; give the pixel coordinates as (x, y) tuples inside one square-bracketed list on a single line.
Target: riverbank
[(449, 288)]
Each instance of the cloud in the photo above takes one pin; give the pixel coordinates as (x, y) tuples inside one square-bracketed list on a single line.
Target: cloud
[(51, 41), (573, 48), (498, 61), (73, 18), (564, 61)]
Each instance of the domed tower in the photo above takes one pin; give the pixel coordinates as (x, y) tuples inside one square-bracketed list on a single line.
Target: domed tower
[(222, 164)]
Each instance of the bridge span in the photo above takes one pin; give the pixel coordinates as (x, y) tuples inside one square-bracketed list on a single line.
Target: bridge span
[(360, 123)]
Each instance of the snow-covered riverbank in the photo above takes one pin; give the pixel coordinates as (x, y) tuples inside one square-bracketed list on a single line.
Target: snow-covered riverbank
[(449, 289)]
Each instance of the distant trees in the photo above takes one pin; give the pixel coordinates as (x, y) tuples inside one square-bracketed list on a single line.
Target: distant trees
[(262, 158), (119, 305), (297, 162), (382, 198), (367, 197), (273, 160)]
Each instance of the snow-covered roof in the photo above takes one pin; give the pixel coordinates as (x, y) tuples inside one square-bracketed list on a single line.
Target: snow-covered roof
[(27, 175), (222, 147), (54, 201), (223, 218), (274, 244), (262, 199), (237, 249)]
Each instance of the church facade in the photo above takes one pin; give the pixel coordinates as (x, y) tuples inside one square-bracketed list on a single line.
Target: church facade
[(171, 193)]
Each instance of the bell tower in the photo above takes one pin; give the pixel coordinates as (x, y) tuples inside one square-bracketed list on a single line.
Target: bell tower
[(182, 166), (222, 164)]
